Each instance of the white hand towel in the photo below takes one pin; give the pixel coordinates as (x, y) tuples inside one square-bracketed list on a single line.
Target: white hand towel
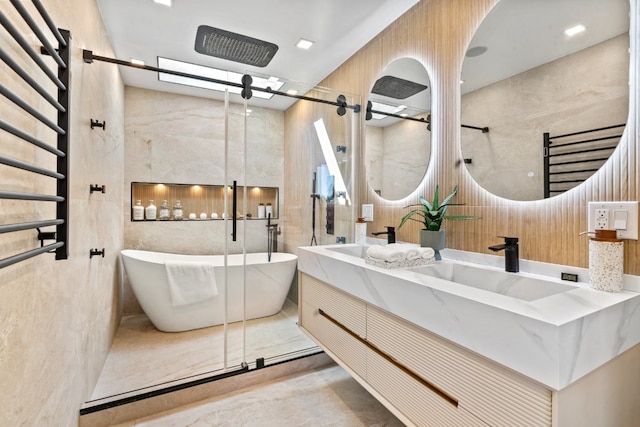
[(385, 253), (190, 281), (427, 253), (411, 252)]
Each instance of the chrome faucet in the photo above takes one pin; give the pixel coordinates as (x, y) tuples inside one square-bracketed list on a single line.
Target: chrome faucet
[(391, 234), (510, 246)]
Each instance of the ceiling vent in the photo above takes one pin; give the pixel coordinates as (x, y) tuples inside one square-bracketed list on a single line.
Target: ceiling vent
[(395, 87), (234, 47)]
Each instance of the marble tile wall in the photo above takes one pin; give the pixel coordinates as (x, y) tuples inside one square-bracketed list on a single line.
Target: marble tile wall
[(180, 139), (58, 317)]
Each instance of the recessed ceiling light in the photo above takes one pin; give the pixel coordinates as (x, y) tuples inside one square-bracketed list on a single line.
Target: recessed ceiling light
[(304, 44), (574, 30), (137, 61), (292, 92), (163, 2)]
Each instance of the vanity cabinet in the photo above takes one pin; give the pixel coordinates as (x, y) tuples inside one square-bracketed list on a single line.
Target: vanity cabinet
[(420, 377)]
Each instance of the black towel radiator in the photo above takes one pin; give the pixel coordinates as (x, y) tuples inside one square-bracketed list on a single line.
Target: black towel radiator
[(59, 75)]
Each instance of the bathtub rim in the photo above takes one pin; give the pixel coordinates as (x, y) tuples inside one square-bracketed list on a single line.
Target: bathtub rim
[(156, 257)]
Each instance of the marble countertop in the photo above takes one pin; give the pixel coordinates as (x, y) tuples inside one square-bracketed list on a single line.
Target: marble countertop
[(554, 340)]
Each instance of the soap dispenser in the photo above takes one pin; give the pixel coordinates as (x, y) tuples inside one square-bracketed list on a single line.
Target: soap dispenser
[(138, 211), (150, 211), (177, 211), (606, 261), (164, 211)]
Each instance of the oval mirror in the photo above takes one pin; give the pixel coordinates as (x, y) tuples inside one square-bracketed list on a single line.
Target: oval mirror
[(550, 81), (397, 135)]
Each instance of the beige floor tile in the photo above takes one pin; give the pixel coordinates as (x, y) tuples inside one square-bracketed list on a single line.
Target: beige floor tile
[(142, 358), (326, 397)]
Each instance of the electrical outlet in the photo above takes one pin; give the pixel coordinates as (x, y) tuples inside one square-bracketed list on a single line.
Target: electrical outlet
[(619, 216), (602, 219)]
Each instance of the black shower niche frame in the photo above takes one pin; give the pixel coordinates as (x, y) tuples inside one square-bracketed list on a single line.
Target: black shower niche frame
[(60, 76)]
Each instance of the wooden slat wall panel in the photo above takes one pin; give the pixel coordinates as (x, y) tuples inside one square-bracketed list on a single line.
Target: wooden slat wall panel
[(437, 33)]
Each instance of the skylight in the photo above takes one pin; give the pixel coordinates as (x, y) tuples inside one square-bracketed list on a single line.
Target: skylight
[(385, 108), (228, 76)]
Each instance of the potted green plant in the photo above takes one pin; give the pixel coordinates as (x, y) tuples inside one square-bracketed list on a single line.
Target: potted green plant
[(431, 214)]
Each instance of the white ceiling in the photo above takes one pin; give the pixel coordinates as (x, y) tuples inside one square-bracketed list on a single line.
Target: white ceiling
[(519, 34), (144, 30)]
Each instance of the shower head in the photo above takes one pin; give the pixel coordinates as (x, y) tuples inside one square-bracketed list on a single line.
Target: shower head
[(395, 87), (234, 47)]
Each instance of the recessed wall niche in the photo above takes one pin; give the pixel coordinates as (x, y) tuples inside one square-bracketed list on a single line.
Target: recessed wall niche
[(206, 199)]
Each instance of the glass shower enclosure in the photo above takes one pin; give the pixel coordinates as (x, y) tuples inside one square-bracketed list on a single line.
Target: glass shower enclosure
[(305, 153)]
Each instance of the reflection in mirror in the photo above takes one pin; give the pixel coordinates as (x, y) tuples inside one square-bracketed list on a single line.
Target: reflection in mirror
[(398, 150), (525, 74)]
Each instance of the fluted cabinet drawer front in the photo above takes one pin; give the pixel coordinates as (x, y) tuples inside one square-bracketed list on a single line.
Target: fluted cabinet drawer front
[(489, 391), (344, 346), (416, 402), (349, 311)]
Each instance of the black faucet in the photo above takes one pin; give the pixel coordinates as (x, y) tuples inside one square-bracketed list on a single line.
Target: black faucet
[(391, 234), (511, 256)]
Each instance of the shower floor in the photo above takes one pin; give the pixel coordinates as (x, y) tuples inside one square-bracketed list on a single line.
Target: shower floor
[(143, 359)]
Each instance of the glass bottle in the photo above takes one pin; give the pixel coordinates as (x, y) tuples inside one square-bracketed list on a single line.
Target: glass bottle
[(177, 211), (138, 211), (164, 211), (150, 211)]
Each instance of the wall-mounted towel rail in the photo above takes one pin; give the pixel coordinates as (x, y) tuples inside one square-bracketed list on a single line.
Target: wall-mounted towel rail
[(27, 76), (571, 158)]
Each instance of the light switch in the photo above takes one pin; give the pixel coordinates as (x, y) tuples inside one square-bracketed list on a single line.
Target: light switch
[(367, 212), (620, 220), (619, 216)]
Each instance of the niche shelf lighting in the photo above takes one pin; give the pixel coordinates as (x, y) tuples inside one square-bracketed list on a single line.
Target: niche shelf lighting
[(214, 73)]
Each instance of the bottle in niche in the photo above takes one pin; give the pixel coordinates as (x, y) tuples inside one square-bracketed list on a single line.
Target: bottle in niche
[(261, 210), (150, 212), (138, 211), (177, 211), (164, 214), (269, 210)]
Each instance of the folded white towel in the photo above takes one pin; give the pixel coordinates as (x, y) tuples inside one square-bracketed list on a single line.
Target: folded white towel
[(386, 253), (427, 253), (412, 251), (190, 281)]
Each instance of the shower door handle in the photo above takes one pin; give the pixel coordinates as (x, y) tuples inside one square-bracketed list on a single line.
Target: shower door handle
[(233, 212)]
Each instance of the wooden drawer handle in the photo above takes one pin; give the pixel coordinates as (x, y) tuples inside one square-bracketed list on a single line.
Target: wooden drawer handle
[(434, 388)]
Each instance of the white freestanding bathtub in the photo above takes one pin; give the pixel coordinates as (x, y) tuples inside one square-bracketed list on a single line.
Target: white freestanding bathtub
[(267, 285)]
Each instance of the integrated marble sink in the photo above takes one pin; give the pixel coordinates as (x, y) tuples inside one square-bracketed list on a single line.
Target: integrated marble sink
[(500, 282), (353, 250), (551, 331)]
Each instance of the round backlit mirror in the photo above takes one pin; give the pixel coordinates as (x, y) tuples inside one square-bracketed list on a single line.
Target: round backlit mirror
[(550, 81), (398, 136)]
